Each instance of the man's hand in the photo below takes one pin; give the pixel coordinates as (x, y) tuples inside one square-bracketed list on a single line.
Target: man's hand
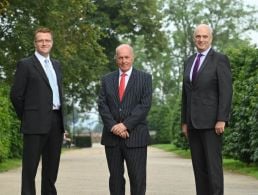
[(219, 127), (185, 130), (120, 130)]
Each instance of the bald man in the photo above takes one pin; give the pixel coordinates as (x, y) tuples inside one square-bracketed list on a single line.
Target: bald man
[(124, 102), (206, 102)]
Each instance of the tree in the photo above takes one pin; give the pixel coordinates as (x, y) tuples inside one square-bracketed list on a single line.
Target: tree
[(3, 6), (128, 21)]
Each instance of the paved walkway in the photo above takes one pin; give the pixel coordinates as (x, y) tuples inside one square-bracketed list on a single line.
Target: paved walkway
[(84, 172)]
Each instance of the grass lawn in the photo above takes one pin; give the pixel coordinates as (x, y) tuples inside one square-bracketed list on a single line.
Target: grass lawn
[(229, 164)]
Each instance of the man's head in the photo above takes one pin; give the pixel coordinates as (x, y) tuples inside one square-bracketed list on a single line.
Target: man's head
[(124, 57), (202, 37), (43, 41)]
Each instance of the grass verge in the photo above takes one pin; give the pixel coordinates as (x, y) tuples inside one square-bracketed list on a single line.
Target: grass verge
[(232, 165), (10, 164)]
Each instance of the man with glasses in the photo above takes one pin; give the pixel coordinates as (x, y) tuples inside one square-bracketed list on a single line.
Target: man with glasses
[(37, 98)]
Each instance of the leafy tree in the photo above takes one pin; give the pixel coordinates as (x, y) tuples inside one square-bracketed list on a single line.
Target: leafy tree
[(3, 5), (131, 21)]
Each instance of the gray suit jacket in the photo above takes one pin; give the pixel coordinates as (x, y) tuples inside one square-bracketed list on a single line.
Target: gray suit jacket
[(208, 99), (31, 95), (132, 111)]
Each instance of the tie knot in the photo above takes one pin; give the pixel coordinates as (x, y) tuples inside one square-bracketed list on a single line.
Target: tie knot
[(123, 74), (46, 61), (199, 55)]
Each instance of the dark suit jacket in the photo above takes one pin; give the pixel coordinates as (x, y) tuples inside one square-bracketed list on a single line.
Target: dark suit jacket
[(132, 111), (208, 99), (31, 95)]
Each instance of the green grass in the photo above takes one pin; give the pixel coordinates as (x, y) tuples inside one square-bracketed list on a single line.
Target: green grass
[(237, 166), (171, 148), (10, 164), (232, 165)]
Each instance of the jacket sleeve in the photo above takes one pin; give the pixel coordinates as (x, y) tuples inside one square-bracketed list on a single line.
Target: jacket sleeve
[(183, 99), (104, 109), (225, 89), (18, 89)]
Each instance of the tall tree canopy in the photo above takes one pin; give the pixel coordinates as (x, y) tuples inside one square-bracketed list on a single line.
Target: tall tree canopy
[(85, 36)]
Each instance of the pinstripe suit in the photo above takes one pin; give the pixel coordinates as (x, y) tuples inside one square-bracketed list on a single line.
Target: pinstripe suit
[(132, 112)]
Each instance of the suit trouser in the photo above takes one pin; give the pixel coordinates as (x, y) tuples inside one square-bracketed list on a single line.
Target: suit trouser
[(48, 147), (206, 148), (136, 159)]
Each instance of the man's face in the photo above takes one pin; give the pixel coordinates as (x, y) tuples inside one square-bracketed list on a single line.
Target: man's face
[(202, 38), (43, 43), (124, 58)]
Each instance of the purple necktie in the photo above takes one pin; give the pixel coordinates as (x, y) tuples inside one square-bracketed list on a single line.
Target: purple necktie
[(196, 67)]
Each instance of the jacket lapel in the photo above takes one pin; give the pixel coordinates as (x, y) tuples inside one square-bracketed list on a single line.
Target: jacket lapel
[(130, 82), (40, 69), (115, 85), (204, 64), (188, 68)]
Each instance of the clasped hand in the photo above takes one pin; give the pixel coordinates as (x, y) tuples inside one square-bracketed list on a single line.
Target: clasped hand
[(120, 130)]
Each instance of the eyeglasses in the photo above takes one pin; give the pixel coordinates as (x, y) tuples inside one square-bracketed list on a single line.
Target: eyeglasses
[(43, 41)]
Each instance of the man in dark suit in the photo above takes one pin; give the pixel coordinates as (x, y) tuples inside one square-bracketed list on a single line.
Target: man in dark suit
[(206, 102), (37, 98), (124, 102)]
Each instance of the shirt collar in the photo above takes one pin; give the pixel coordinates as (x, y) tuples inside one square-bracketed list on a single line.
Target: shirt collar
[(40, 57), (128, 73), (205, 52)]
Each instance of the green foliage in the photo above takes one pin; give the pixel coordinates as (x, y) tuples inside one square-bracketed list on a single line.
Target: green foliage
[(3, 6), (10, 164), (10, 144), (128, 21), (159, 121), (5, 124), (241, 141), (172, 148)]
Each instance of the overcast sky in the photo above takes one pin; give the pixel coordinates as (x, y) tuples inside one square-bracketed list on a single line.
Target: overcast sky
[(254, 34)]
